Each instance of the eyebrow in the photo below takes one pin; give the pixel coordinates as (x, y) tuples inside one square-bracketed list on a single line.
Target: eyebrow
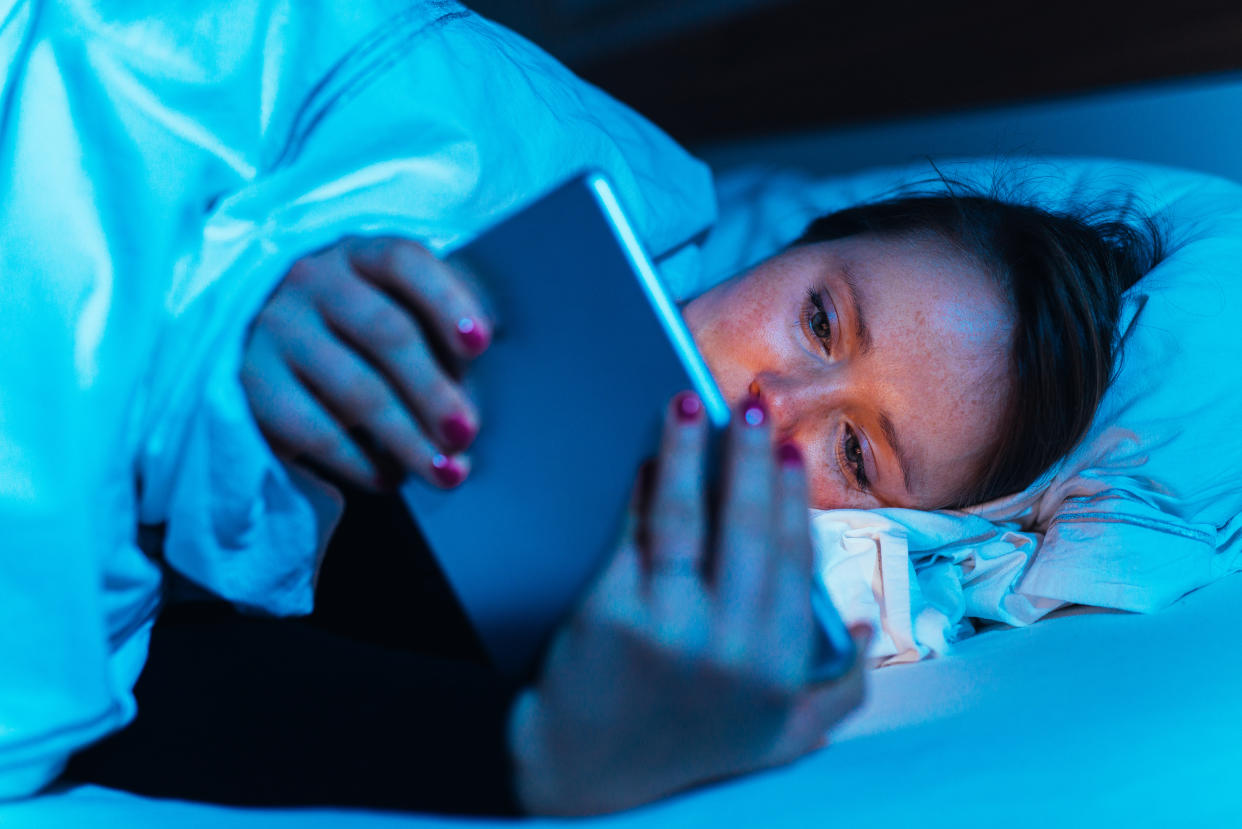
[(903, 458), (863, 335), (861, 332)]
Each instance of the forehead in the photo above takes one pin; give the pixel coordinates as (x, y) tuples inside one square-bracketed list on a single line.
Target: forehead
[(926, 289), (940, 333)]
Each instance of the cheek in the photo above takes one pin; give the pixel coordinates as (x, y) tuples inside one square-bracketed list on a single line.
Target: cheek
[(739, 340), (827, 490)]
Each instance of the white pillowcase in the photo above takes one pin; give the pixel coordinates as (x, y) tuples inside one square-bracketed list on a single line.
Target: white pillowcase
[(1146, 508)]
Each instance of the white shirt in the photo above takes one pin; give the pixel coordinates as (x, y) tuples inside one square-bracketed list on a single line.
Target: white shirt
[(163, 165)]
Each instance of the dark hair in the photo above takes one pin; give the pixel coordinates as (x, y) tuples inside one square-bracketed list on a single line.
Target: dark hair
[(1064, 275)]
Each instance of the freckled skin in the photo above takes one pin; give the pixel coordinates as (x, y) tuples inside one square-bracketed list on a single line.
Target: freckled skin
[(940, 336)]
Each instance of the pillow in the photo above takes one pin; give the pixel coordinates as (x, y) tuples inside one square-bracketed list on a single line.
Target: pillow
[(1149, 505)]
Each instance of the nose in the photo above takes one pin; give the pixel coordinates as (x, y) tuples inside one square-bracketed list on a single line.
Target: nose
[(796, 401)]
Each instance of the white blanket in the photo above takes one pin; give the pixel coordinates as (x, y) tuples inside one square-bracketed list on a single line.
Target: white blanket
[(163, 164)]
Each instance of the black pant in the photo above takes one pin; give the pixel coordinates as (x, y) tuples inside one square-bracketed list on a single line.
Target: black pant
[(381, 698)]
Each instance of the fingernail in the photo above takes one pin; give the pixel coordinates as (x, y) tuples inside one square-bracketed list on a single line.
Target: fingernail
[(457, 431), (754, 413), (689, 407), (789, 455), (446, 470), (472, 335)]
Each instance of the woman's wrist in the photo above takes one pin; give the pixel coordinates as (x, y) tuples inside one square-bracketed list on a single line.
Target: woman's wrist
[(533, 777)]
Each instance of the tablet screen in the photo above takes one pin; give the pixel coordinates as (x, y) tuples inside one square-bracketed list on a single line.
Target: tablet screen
[(587, 352)]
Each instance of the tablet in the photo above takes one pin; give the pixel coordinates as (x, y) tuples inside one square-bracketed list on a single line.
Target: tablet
[(588, 350)]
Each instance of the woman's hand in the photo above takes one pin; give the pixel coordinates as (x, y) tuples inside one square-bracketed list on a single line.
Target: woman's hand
[(353, 363), (686, 664)]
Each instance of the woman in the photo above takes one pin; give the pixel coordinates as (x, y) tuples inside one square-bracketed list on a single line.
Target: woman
[(927, 351)]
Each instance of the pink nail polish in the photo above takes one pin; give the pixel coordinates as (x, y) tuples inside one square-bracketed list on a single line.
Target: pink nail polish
[(754, 413), (446, 470), (457, 431), (689, 407), (789, 455), (472, 335)]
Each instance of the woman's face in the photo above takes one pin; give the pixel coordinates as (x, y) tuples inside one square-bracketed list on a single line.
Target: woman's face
[(884, 360)]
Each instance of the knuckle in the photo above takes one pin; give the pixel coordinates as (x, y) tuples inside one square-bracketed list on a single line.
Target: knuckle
[(731, 655), (303, 273), (388, 327), (785, 685), (362, 398), (321, 445), (315, 360), (403, 257), (749, 513), (402, 246), (694, 645), (674, 516), (619, 627), (667, 636), (435, 391)]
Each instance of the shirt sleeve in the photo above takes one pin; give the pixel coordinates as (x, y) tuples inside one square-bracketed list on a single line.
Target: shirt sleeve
[(69, 652), (190, 172), (485, 120)]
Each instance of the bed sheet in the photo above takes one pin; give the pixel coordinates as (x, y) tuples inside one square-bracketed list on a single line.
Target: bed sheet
[(1095, 719), (1090, 720)]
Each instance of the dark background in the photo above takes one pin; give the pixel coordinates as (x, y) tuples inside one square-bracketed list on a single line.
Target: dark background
[(709, 71)]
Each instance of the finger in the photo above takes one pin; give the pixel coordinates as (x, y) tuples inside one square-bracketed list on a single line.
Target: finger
[(385, 333), (298, 428), (678, 524), (427, 286), (640, 510), (359, 398), (787, 599), (746, 526)]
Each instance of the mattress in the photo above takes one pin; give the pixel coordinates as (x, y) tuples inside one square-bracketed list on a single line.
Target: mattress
[(1100, 719)]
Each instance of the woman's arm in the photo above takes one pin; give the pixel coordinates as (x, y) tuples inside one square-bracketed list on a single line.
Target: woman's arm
[(691, 658)]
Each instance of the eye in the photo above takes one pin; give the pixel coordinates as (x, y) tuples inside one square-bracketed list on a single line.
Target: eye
[(817, 320), (850, 455)]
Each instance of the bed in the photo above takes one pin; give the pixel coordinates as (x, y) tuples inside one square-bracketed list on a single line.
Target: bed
[(1089, 720), (1084, 719)]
